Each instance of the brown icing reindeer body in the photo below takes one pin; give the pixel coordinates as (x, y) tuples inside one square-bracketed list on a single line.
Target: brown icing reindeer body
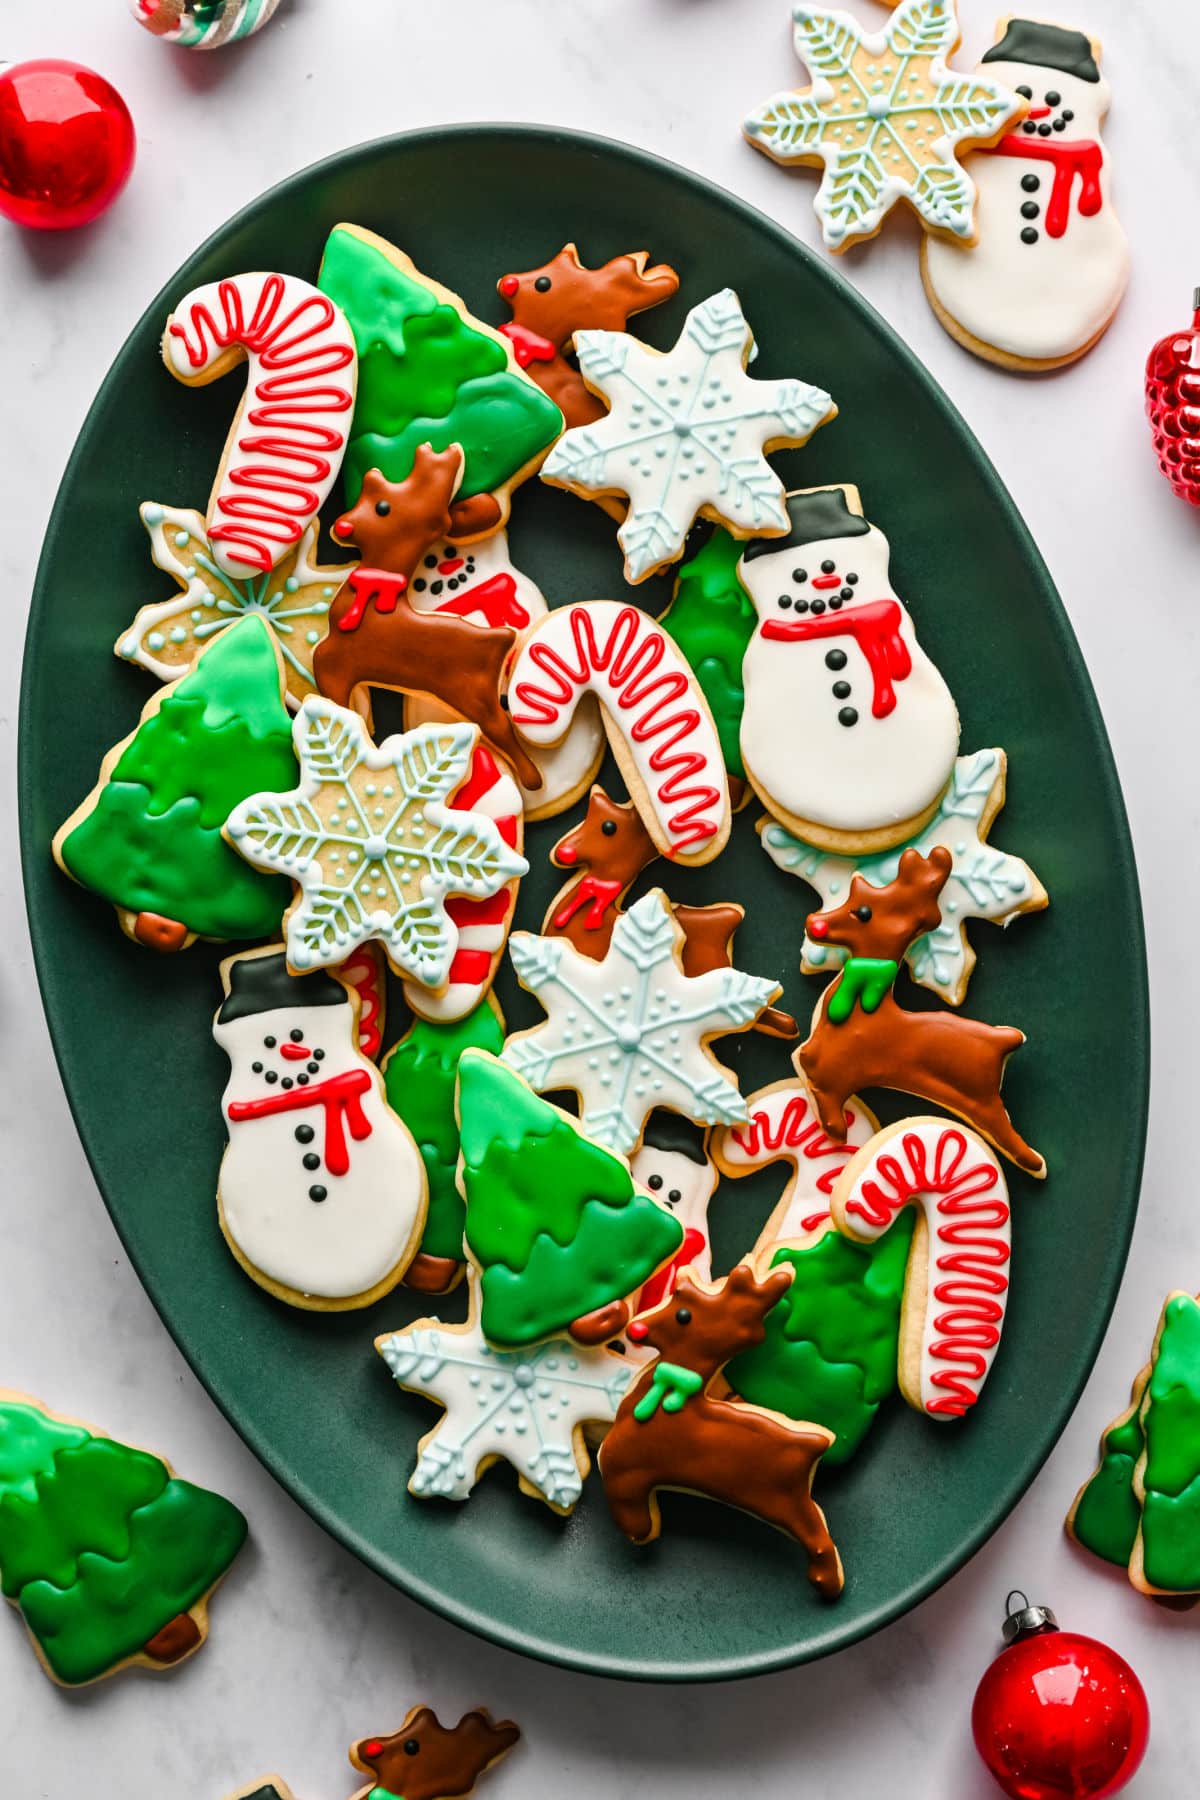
[(614, 846), (377, 638), (428, 1761), (861, 1038), (550, 304), (672, 1431)]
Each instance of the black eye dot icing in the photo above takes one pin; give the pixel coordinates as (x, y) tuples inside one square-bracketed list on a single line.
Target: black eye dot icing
[(654, 1183), (683, 1316), (383, 508), (542, 284)]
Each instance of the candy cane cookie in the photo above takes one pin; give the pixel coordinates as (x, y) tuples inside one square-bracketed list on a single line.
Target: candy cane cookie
[(658, 721), (956, 1288), (288, 437), (784, 1128)]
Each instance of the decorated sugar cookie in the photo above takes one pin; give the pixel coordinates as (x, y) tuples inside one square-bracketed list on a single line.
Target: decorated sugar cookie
[(1166, 1478), (783, 1127), (849, 733), (673, 1164), (632, 1032), (289, 435), (203, 24), (1049, 266), (886, 118), (555, 1225), (372, 843), (432, 373), (424, 1760), (712, 619), (322, 1191), (983, 883), (527, 1407), (365, 970), (687, 432), (672, 1431), (109, 1557), (658, 723), (1106, 1513), (148, 836)]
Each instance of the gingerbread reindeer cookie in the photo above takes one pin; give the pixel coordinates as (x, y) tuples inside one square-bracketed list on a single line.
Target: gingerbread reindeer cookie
[(424, 1760)]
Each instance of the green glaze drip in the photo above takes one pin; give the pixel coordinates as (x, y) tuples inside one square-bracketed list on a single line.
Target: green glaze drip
[(831, 1344), (420, 1075), (864, 980), (1171, 1474), (426, 376), (671, 1388), (152, 842), (107, 1549), (1107, 1514), (553, 1220), (712, 619)]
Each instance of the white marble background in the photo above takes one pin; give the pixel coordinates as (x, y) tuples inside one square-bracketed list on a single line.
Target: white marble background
[(308, 1649)]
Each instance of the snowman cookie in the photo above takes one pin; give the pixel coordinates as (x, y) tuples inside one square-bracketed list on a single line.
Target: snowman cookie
[(849, 733), (1047, 272), (672, 1163), (322, 1191)]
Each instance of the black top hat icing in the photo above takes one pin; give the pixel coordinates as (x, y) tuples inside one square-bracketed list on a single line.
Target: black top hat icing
[(671, 1131), (812, 518), (259, 984), (1046, 46)]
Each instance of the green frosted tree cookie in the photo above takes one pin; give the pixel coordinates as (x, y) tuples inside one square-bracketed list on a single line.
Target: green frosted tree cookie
[(712, 620)]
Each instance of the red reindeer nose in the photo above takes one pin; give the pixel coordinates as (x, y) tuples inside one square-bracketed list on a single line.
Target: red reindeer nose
[(817, 926), (343, 527), (637, 1331), (372, 1747), (508, 285), (566, 855)]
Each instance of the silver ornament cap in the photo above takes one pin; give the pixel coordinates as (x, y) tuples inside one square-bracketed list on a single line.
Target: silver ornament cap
[(1025, 1620)]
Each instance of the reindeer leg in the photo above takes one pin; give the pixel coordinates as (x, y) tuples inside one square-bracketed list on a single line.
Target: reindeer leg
[(994, 1123), (831, 1110), (628, 1493)]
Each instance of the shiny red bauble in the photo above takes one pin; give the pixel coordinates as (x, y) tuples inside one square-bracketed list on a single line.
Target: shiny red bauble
[(1058, 1716), (66, 144), (1173, 406)]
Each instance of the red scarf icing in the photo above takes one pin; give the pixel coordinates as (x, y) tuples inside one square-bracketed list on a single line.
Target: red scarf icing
[(663, 1283), (1071, 157), (875, 628), (529, 346), (495, 598), (340, 1097), (379, 585), (596, 894)]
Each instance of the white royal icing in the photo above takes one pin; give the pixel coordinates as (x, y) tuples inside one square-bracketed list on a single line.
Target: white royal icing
[(783, 1127), (686, 432)]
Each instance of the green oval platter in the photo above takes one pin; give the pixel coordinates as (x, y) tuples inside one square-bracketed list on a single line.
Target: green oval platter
[(719, 1595)]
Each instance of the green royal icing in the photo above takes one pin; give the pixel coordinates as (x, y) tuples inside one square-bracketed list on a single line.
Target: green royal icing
[(554, 1221), (1171, 1476), (831, 1344), (99, 1546), (152, 842), (712, 619), (1107, 1514), (421, 1075), (864, 980), (671, 1388), (426, 376)]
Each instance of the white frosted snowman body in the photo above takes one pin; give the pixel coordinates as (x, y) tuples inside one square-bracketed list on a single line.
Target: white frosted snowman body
[(849, 732), (1051, 259), (322, 1190)]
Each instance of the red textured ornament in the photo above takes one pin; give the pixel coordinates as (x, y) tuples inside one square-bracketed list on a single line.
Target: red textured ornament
[(66, 144), (1058, 1716), (1173, 406)]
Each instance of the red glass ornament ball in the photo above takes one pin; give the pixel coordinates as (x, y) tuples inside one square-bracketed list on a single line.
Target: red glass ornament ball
[(1060, 1717), (1173, 406), (66, 144)]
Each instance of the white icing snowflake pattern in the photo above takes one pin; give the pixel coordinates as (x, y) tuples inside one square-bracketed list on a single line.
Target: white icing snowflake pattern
[(984, 883), (627, 1032), (371, 844), (293, 598), (885, 115), (686, 433), (528, 1407)]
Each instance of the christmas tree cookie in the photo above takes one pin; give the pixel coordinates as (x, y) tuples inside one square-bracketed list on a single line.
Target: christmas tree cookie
[(712, 619), (1166, 1479), (431, 373), (560, 1234), (108, 1556), (1106, 1512), (148, 836)]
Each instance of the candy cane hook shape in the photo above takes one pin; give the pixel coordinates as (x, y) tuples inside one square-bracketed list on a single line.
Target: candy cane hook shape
[(784, 1128), (956, 1288), (287, 440)]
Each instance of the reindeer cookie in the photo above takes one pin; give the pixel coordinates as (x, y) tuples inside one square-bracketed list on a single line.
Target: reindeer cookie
[(672, 1431), (861, 1038), (424, 1760)]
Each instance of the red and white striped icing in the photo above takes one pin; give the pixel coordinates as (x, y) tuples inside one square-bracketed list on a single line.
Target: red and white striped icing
[(784, 1127), (652, 706), (366, 972), (289, 436), (956, 1180), (483, 925)]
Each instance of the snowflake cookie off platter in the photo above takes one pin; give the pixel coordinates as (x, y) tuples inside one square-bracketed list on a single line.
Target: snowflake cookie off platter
[(336, 1422)]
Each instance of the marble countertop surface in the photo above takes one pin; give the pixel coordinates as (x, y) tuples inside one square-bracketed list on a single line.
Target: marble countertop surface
[(309, 1650)]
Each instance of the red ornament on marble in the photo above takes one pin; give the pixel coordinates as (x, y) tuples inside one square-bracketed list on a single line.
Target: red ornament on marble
[(1058, 1716), (66, 144), (1173, 406)]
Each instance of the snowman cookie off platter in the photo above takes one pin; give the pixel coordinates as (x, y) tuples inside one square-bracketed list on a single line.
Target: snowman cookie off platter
[(1047, 271), (849, 732)]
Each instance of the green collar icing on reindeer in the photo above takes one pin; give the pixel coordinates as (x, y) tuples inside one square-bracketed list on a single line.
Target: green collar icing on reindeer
[(671, 1388), (864, 980)]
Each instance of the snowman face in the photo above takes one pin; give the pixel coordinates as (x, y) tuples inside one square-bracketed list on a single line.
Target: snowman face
[(820, 577), (449, 572), (678, 1183), (291, 1047), (1060, 105)]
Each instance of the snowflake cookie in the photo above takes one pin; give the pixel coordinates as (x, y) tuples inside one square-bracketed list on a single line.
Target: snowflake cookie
[(984, 883), (687, 433), (293, 598), (372, 843), (526, 1407), (886, 118), (629, 1033)]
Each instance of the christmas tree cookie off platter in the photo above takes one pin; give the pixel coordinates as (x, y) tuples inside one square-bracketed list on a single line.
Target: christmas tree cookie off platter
[(514, 1376)]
